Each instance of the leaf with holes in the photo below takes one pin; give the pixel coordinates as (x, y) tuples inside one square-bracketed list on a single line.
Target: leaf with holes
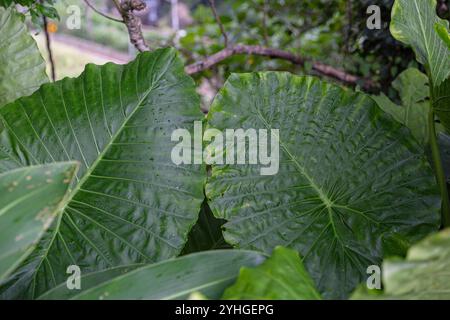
[(208, 273), (22, 70), (281, 277), (130, 203), (351, 183), (29, 200)]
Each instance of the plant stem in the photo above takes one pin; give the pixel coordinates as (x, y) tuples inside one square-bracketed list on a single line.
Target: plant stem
[(439, 170)]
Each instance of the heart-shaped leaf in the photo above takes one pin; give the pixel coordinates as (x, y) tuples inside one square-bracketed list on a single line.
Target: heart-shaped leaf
[(414, 22), (351, 180), (208, 273), (22, 70), (29, 201), (281, 277), (130, 203)]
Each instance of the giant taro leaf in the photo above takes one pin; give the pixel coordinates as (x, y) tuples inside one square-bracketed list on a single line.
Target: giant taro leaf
[(208, 273), (130, 203), (415, 23), (281, 277), (423, 275), (352, 182), (22, 70), (29, 201)]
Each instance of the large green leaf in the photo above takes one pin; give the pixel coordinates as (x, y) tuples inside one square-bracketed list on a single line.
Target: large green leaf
[(22, 70), (281, 277), (412, 86), (29, 201), (423, 275), (208, 273), (351, 181), (130, 203), (414, 22)]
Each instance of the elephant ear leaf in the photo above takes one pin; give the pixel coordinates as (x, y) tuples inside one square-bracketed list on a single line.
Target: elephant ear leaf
[(207, 273), (130, 203), (22, 70), (281, 277), (414, 22), (30, 198), (351, 183), (423, 275)]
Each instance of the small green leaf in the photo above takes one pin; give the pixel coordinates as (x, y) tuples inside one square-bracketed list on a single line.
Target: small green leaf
[(423, 275), (281, 277), (412, 86), (442, 31), (30, 198), (22, 68), (207, 273)]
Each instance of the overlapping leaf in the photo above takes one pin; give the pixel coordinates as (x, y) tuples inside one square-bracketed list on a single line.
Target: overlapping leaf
[(412, 86), (130, 203), (281, 277), (423, 275), (22, 70), (29, 201), (351, 182), (208, 273)]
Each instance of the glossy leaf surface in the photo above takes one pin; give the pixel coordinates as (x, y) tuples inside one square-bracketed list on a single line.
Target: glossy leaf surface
[(208, 273), (130, 202), (352, 182)]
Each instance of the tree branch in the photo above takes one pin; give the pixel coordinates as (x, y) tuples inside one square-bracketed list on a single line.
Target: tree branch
[(212, 4), (319, 67), (133, 23), (49, 48), (101, 13)]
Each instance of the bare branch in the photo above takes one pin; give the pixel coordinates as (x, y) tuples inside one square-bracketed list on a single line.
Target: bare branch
[(101, 13), (49, 48), (278, 54), (212, 4), (132, 22)]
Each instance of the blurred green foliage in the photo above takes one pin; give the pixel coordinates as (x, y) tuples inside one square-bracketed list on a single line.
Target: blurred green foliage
[(330, 31)]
